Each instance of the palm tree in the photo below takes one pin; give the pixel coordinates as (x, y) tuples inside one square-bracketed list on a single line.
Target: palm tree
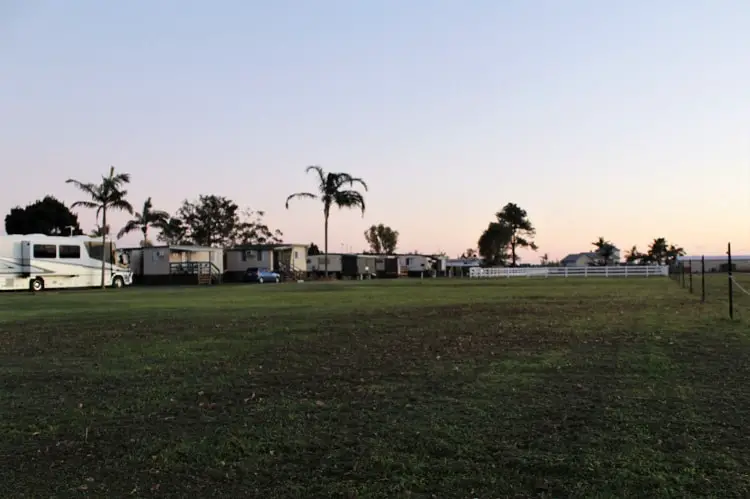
[(109, 194), (605, 250), (633, 255), (148, 217), (330, 192), (99, 231)]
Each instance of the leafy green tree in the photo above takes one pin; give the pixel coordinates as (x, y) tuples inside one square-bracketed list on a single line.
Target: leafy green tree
[(332, 191), (211, 220), (521, 229), (253, 230), (217, 221), (109, 194), (382, 239), (148, 217), (47, 216), (493, 244), (173, 232)]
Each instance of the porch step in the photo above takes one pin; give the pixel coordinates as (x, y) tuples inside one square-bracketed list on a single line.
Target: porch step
[(204, 278)]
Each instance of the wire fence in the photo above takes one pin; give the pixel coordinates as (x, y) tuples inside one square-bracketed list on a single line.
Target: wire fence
[(716, 279)]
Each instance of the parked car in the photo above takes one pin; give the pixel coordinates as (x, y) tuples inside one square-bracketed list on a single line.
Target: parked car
[(261, 275)]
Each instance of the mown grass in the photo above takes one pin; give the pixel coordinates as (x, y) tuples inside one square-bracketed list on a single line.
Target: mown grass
[(512, 388), (716, 290)]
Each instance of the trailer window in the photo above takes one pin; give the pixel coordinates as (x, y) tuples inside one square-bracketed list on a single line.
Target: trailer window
[(45, 251), (70, 251)]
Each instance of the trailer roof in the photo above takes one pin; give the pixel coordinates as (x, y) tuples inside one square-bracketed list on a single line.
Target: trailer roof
[(711, 258)]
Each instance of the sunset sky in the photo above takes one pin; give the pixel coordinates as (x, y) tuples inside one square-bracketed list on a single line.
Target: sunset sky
[(627, 120)]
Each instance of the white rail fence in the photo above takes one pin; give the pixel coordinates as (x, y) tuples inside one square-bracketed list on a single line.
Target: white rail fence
[(610, 271)]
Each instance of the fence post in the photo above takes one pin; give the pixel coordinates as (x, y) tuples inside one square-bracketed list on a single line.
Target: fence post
[(703, 279), (729, 280), (690, 276), (682, 274)]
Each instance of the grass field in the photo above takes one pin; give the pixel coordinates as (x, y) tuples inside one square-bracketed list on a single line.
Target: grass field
[(717, 291), (511, 388)]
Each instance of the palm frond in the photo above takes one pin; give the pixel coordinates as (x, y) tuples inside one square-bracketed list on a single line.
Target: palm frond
[(321, 175), (129, 227), (85, 204), (345, 178), (157, 216), (146, 207), (305, 195), (90, 189), (349, 199), (120, 204)]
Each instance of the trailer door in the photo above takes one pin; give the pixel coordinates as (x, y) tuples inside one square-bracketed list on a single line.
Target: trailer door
[(25, 258)]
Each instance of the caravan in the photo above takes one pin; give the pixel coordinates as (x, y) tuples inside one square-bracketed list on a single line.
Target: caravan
[(37, 262)]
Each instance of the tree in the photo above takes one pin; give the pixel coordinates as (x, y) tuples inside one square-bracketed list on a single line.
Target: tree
[(99, 231), (605, 251), (313, 249), (210, 220), (173, 232), (382, 239), (469, 253), (253, 230), (544, 260), (662, 253), (332, 193), (633, 256), (148, 217), (218, 221), (107, 195), (517, 220), (47, 216), (493, 244), (673, 252)]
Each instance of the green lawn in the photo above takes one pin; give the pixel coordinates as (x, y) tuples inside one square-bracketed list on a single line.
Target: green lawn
[(508, 388)]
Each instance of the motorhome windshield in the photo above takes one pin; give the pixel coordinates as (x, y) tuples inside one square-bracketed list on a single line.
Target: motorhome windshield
[(95, 251)]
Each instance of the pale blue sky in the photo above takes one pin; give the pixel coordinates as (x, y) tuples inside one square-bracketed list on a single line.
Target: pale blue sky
[(628, 120)]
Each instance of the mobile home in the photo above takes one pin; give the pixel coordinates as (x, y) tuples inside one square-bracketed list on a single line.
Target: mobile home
[(414, 265), (178, 264), (37, 262), (316, 264), (358, 266), (290, 260), (386, 266)]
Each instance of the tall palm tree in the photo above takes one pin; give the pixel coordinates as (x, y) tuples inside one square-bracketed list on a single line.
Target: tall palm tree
[(148, 217), (332, 193), (107, 195)]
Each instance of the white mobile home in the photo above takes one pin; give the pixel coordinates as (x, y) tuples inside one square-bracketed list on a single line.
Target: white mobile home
[(178, 264), (37, 262), (415, 265)]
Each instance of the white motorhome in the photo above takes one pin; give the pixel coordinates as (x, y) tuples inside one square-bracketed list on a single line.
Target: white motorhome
[(37, 262)]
